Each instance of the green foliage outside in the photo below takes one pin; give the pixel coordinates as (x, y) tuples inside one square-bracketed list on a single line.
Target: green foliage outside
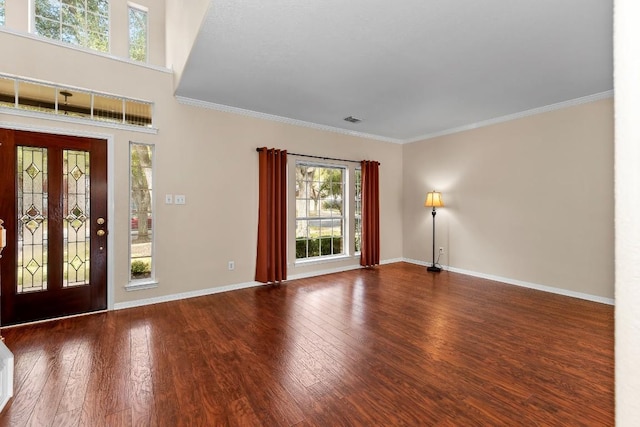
[(140, 269), (2, 12), (137, 34), (81, 22), (318, 247)]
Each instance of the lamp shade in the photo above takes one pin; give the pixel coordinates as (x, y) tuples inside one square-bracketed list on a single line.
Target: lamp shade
[(434, 199)]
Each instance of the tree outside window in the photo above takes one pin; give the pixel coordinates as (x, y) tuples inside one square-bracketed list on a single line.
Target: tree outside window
[(141, 227), (319, 210), (137, 34), (79, 22), (2, 18)]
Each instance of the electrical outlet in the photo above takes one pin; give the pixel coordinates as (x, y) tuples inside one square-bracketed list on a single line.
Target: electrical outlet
[(232, 265), (441, 250)]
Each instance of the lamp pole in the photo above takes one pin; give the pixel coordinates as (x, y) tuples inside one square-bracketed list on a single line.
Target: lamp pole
[(433, 247)]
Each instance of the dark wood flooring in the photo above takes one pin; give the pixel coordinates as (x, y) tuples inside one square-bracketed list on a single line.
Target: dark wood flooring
[(389, 346)]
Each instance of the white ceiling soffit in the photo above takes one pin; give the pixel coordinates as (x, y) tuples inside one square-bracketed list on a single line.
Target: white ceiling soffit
[(407, 69)]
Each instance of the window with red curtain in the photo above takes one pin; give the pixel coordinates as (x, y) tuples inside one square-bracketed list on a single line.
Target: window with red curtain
[(370, 249), (271, 259)]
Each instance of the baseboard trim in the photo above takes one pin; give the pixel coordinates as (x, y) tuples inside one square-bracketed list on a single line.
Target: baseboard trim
[(184, 295), (521, 283), (234, 287)]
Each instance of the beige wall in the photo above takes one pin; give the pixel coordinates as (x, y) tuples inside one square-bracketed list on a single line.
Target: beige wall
[(529, 200), (208, 156)]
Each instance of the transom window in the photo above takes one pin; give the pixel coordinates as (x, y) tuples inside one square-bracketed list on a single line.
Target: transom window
[(73, 103), (320, 213), (78, 22)]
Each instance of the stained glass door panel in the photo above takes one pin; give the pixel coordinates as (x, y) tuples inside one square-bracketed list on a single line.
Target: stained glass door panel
[(53, 198)]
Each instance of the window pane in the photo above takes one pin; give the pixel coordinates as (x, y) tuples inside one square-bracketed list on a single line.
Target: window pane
[(141, 227), (73, 17), (2, 12), (7, 92), (33, 237), (74, 103), (138, 113), (48, 28), (48, 9), (319, 210), (108, 109), (36, 97), (76, 217), (137, 34), (79, 22)]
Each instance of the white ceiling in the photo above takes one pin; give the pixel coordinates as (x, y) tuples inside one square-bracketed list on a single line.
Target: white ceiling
[(409, 68)]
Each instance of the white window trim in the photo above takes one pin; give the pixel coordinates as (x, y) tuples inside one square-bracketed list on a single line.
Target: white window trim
[(149, 282), (131, 5), (16, 111), (32, 30), (349, 214)]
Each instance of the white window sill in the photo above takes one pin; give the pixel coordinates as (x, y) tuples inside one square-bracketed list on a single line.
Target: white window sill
[(139, 285), (324, 260)]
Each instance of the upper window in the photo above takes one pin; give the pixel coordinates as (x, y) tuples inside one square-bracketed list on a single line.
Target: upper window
[(137, 34), (320, 213), (2, 12), (78, 22)]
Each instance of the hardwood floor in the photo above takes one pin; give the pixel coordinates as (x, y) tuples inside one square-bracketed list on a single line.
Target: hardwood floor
[(390, 346)]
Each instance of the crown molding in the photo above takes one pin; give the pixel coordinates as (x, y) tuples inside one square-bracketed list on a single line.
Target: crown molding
[(271, 117), (514, 116)]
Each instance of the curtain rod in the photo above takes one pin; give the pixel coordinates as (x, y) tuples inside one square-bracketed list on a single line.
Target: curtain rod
[(319, 157)]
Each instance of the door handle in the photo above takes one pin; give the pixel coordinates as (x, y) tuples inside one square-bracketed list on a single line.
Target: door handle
[(101, 233)]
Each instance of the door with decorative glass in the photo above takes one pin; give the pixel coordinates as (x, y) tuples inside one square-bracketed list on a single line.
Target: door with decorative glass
[(53, 199)]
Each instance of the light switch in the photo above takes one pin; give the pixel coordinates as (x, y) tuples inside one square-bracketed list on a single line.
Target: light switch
[(181, 199), (168, 199)]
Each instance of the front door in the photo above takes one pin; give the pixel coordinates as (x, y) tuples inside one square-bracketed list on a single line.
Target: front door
[(53, 199)]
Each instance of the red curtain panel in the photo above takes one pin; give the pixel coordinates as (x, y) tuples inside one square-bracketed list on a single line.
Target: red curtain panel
[(271, 260), (370, 250)]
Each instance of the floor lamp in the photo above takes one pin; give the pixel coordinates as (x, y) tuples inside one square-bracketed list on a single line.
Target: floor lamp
[(434, 200)]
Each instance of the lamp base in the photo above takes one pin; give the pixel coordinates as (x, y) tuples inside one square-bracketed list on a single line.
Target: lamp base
[(434, 268)]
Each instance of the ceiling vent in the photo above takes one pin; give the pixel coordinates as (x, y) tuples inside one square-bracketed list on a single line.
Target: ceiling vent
[(352, 119)]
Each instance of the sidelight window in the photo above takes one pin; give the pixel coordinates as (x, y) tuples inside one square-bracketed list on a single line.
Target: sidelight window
[(142, 212)]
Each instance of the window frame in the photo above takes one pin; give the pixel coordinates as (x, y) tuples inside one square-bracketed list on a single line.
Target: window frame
[(33, 30), (348, 238), (3, 9), (137, 7), (145, 282), (357, 203), (343, 218)]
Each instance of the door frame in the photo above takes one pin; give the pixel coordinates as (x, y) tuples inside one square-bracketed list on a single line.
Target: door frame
[(110, 138)]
